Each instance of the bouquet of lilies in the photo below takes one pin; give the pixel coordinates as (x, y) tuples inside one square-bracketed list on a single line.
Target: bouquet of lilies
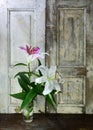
[(46, 81)]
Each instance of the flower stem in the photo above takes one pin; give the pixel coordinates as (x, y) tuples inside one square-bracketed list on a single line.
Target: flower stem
[(29, 74)]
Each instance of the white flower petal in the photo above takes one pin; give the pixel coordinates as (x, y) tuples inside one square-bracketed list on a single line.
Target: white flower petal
[(52, 71), (49, 79), (47, 88), (40, 67), (40, 80), (53, 68), (31, 58), (42, 55), (43, 70), (51, 82), (57, 86)]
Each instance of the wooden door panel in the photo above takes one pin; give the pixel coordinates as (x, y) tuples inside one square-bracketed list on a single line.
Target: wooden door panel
[(71, 37), (71, 32), (21, 31), (21, 22), (66, 36), (72, 92)]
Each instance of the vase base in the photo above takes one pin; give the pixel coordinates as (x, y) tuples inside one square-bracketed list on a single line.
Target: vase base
[(29, 119)]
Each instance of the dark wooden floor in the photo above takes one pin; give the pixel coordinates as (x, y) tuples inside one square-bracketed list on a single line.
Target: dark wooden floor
[(47, 122)]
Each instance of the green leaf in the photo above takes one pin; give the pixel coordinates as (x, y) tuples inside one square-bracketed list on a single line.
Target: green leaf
[(23, 85), (39, 62), (35, 74), (40, 73), (20, 95), (37, 87), (32, 84), (29, 98), (20, 64), (51, 100), (18, 74), (24, 78)]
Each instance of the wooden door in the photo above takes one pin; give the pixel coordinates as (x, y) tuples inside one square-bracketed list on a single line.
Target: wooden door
[(21, 22), (69, 40)]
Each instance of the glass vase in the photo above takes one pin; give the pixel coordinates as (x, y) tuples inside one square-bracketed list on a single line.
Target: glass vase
[(28, 113)]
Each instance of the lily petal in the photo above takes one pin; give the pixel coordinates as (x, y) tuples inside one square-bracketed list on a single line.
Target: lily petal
[(43, 69), (40, 80), (57, 86), (47, 89), (52, 71)]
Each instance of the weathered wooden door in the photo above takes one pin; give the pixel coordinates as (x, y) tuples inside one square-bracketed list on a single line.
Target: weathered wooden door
[(69, 39), (21, 22)]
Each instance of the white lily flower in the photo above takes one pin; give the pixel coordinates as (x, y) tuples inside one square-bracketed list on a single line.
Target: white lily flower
[(48, 76)]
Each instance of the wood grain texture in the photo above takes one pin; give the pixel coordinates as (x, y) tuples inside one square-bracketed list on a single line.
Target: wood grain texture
[(69, 34)]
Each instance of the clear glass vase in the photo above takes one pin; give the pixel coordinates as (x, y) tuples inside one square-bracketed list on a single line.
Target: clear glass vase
[(28, 113)]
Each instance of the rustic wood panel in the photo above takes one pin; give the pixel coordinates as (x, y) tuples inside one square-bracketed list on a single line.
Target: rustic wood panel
[(71, 44), (71, 37), (66, 37), (72, 92)]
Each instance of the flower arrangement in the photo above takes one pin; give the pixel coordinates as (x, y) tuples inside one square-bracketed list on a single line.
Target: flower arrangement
[(42, 81)]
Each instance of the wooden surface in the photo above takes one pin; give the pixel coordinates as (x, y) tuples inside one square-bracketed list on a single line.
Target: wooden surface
[(69, 41), (47, 122)]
